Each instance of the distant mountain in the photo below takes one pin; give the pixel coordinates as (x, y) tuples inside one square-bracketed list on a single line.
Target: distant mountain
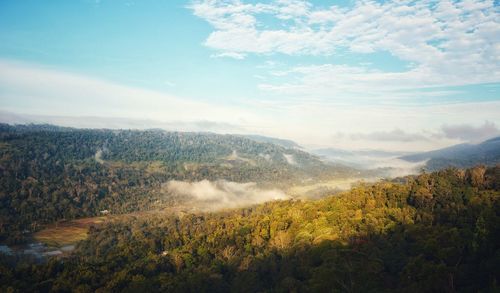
[(96, 122), (192, 154), (356, 158), (334, 152), (286, 143), (461, 155)]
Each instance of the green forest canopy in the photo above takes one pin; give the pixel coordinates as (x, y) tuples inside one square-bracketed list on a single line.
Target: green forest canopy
[(49, 173), (435, 232)]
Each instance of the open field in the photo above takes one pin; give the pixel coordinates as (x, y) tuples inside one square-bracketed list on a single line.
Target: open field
[(64, 233)]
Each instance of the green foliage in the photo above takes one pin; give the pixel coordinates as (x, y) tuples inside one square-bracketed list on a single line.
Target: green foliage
[(49, 173), (435, 232)]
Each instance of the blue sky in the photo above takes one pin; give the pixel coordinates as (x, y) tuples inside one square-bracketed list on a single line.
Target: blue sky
[(324, 73)]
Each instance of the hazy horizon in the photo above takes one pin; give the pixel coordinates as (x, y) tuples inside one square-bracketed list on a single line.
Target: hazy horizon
[(391, 75), (249, 145), (487, 131)]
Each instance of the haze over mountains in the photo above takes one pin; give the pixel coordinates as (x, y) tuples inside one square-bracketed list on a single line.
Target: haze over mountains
[(361, 158), (66, 172), (153, 169), (366, 148), (461, 156), (255, 146), (158, 211)]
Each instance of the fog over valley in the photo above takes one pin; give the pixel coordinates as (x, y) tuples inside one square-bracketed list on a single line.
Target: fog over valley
[(221, 194), (249, 146)]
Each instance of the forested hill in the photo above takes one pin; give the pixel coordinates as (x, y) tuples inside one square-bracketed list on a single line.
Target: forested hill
[(461, 156), (49, 173), (215, 150), (286, 143), (436, 232), (173, 149)]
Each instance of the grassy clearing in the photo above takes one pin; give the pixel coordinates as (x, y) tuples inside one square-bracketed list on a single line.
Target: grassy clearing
[(66, 233)]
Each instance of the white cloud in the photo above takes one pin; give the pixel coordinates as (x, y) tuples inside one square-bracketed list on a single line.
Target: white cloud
[(59, 97), (471, 133), (215, 195), (449, 43), (31, 89), (432, 138), (341, 81), (120, 123), (169, 83), (233, 55), (393, 135)]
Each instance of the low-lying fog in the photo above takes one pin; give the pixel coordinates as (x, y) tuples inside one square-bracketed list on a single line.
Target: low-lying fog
[(396, 167), (372, 159), (221, 194)]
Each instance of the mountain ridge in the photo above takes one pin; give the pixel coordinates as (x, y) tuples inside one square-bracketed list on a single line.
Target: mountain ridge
[(461, 155)]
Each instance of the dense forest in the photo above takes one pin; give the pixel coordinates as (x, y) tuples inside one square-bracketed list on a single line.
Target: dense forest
[(437, 232), (48, 173), (461, 156)]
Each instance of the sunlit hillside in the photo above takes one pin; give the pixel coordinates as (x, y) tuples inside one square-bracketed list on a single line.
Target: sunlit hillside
[(249, 146)]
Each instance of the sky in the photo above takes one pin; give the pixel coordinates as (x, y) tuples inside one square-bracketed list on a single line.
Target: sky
[(393, 75)]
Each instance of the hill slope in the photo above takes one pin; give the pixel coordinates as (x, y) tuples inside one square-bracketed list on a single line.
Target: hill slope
[(462, 155), (436, 232), (286, 143), (49, 173)]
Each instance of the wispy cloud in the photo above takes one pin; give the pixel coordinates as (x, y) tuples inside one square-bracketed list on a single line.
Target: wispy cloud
[(121, 123), (447, 43), (216, 195), (233, 55), (446, 134), (344, 81), (33, 89), (398, 135), (55, 96), (471, 133)]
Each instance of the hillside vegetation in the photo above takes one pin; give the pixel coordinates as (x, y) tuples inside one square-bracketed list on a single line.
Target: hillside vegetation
[(460, 156), (436, 232), (48, 173)]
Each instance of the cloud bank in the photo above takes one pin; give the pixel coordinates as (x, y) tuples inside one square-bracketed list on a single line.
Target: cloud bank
[(453, 133), (393, 135), (440, 43), (208, 195), (37, 94), (50, 92), (471, 133), (120, 123)]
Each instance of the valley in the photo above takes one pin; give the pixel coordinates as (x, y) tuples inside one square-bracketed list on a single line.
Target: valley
[(248, 146), (51, 173), (123, 210)]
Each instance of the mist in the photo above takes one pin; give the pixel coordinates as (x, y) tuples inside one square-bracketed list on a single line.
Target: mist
[(98, 157), (221, 194), (397, 167)]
